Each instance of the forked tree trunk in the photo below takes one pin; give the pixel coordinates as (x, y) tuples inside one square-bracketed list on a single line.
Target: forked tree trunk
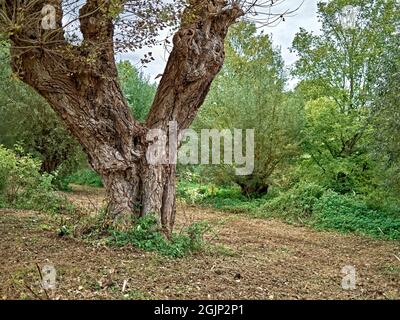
[(86, 94)]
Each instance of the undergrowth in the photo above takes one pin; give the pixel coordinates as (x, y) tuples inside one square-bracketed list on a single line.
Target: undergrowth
[(304, 204), (23, 186), (146, 235)]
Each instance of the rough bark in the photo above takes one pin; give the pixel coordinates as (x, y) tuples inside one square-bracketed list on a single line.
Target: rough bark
[(87, 96)]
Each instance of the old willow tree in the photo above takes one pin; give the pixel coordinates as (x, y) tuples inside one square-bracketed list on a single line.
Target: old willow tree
[(65, 50)]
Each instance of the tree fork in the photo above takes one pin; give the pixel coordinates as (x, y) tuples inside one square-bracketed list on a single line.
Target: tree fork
[(88, 98)]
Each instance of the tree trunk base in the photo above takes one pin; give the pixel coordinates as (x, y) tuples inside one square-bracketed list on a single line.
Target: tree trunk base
[(135, 193)]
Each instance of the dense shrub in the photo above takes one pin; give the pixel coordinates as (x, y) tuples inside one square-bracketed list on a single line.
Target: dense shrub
[(349, 214), (293, 205), (17, 173), (22, 185), (326, 209)]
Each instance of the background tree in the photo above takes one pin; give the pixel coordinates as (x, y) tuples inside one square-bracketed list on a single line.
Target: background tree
[(249, 93), (340, 70), (386, 144), (137, 89)]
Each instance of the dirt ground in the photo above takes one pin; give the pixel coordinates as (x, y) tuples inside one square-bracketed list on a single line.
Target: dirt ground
[(250, 259)]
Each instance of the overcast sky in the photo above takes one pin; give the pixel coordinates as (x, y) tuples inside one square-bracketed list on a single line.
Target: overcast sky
[(282, 36)]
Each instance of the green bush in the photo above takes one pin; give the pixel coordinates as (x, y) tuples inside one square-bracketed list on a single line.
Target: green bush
[(22, 186), (385, 200), (146, 235), (325, 209), (17, 174), (42, 197), (294, 205), (349, 214)]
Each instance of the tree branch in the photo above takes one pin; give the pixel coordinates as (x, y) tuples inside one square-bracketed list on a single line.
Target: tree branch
[(197, 57)]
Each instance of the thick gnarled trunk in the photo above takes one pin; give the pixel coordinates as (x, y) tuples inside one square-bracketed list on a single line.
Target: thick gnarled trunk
[(80, 82)]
